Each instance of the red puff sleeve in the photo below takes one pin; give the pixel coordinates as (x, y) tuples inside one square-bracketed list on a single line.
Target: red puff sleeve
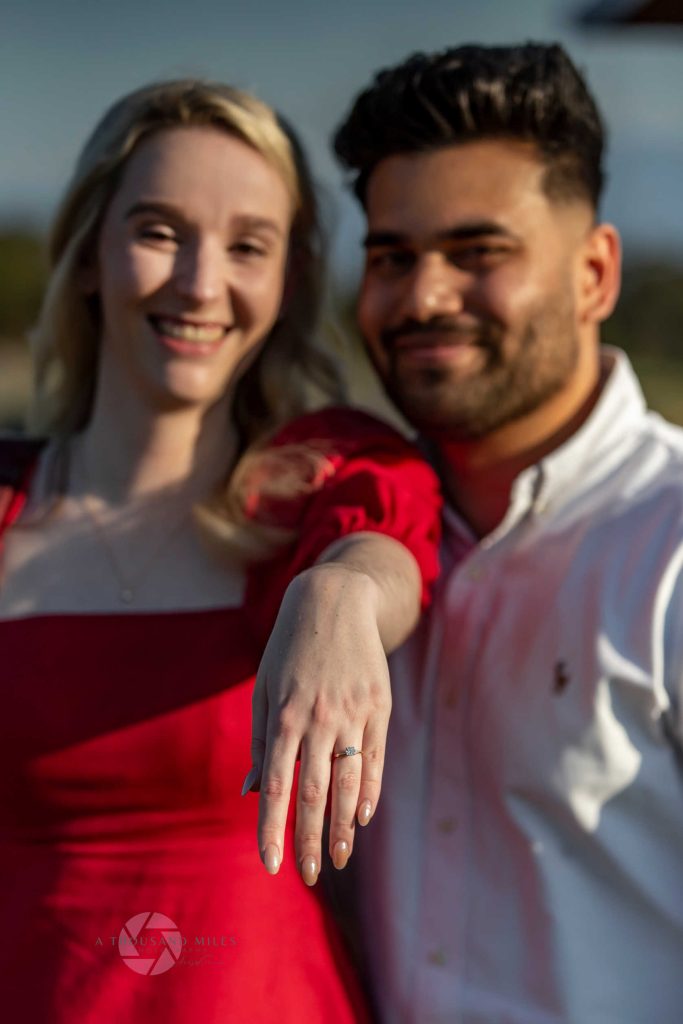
[(373, 480)]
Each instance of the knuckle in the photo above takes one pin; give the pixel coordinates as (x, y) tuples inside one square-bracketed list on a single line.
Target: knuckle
[(270, 833), (288, 722), (273, 788), (347, 781), (309, 839), (374, 757), (380, 697), (324, 714), (311, 793), (342, 830)]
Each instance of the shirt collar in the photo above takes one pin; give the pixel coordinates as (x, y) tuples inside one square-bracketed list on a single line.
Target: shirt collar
[(599, 443), (587, 455)]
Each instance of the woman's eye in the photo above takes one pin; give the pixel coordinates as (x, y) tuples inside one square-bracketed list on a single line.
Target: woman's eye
[(249, 249), (156, 233)]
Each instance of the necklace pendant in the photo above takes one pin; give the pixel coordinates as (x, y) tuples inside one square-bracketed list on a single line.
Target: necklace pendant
[(126, 595)]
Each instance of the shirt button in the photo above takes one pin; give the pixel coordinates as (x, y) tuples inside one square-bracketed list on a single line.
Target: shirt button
[(437, 958), (447, 826)]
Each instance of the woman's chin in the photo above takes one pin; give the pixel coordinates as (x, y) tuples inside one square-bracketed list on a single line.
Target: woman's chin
[(177, 393)]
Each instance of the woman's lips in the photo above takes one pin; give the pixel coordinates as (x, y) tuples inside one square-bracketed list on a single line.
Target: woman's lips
[(187, 337)]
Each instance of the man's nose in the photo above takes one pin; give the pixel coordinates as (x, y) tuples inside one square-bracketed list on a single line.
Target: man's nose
[(200, 273), (434, 288)]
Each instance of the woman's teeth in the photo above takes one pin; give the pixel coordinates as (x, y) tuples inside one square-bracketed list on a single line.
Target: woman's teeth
[(201, 334)]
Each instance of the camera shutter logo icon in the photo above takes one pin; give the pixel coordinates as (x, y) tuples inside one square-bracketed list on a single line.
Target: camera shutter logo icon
[(150, 943)]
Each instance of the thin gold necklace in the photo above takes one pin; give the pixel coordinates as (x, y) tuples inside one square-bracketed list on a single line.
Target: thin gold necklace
[(128, 586)]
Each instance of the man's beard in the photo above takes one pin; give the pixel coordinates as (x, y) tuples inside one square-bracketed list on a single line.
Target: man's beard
[(510, 385)]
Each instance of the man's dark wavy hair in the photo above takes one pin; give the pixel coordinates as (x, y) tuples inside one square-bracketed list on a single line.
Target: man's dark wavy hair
[(530, 93)]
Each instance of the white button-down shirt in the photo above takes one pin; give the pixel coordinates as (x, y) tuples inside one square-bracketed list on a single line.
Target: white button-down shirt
[(525, 865)]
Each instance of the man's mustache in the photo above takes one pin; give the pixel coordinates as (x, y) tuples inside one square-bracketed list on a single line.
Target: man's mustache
[(476, 333)]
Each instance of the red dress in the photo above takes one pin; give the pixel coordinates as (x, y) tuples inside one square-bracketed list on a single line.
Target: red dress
[(131, 885)]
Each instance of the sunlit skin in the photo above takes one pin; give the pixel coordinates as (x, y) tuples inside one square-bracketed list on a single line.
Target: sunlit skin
[(189, 274), (196, 236), (480, 306)]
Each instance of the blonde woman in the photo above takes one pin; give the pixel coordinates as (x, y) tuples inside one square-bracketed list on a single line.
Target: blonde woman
[(148, 544)]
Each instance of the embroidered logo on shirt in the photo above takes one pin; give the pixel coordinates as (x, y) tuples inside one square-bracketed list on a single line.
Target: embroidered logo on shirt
[(561, 677)]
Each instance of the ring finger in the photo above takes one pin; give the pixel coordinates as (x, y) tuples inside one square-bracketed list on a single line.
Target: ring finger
[(347, 770)]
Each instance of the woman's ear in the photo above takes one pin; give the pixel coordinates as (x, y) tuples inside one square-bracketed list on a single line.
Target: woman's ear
[(600, 274)]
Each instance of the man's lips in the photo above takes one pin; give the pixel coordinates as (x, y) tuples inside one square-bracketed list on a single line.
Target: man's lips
[(463, 349), (431, 336), (439, 339)]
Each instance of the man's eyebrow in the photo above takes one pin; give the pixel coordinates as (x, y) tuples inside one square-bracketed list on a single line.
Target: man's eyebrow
[(476, 229), (463, 232)]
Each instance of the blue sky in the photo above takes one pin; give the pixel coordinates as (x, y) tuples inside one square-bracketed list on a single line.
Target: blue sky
[(64, 61)]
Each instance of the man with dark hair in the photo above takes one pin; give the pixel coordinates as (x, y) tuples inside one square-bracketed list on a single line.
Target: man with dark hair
[(526, 862)]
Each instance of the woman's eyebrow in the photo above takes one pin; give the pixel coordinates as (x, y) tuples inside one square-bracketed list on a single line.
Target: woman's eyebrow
[(251, 222), (155, 206), (159, 208)]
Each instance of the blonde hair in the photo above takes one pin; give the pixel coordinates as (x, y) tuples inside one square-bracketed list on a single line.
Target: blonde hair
[(66, 339), (290, 368)]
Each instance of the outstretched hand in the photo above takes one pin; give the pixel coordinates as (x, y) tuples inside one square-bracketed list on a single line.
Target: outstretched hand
[(323, 686)]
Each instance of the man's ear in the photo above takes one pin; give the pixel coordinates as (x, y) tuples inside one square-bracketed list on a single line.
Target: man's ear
[(600, 274)]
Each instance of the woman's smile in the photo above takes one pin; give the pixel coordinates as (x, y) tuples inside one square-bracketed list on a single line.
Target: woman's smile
[(188, 337), (196, 250)]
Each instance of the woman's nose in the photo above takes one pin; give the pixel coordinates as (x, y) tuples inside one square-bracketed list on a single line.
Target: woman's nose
[(200, 273)]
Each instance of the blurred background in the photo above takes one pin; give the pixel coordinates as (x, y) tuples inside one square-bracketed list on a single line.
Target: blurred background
[(64, 61)]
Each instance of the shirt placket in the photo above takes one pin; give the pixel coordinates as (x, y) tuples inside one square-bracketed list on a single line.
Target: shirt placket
[(442, 947)]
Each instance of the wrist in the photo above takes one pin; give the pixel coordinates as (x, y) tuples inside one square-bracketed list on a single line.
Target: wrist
[(338, 581)]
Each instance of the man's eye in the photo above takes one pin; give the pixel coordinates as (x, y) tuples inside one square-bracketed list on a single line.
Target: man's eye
[(479, 255), (390, 260)]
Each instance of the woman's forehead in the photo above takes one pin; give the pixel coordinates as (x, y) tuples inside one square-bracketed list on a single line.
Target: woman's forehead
[(203, 170)]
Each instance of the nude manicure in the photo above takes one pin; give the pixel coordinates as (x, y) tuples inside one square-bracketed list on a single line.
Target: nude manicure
[(340, 854), (309, 870), (364, 812), (271, 859)]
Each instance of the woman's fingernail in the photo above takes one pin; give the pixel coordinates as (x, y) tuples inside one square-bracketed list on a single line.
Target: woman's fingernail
[(252, 776), (309, 870), (340, 854), (364, 812), (271, 859)]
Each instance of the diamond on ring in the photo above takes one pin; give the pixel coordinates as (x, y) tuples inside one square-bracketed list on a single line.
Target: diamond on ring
[(349, 752)]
